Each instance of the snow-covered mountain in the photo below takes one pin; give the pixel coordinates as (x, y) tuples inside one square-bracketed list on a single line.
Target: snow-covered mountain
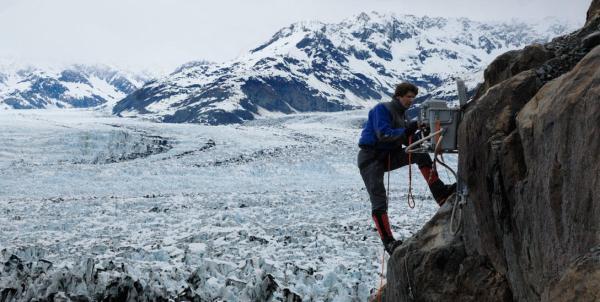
[(66, 87), (314, 66)]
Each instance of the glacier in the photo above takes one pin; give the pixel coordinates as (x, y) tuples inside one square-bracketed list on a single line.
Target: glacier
[(98, 206)]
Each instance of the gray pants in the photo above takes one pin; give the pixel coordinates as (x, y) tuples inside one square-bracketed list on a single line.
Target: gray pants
[(373, 164)]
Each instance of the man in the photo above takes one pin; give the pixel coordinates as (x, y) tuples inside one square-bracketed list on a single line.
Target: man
[(381, 150)]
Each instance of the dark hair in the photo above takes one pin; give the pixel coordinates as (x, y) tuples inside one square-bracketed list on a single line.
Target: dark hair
[(403, 88)]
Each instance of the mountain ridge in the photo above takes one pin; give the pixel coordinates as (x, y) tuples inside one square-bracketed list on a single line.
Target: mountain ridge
[(315, 66), (67, 86)]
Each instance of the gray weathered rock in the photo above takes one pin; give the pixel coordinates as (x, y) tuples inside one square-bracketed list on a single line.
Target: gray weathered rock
[(512, 63), (593, 11), (529, 156), (434, 266), (579, 282), (549, 60), (591, 40)]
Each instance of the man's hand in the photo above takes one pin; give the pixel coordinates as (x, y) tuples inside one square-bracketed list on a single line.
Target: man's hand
[(425, 129), (412, 128)]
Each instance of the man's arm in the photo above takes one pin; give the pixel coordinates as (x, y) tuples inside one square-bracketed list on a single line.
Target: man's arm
[(382, 121)]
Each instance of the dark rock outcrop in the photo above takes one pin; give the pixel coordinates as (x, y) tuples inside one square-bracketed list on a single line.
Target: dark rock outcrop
[(529, 157), (580, 281), (594, 11), (434, 266), (512, 63)]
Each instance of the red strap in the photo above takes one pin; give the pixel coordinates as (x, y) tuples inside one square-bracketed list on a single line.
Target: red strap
[(383, 227), (429, 174)]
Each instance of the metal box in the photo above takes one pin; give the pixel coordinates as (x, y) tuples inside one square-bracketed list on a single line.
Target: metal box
[(434, 112)]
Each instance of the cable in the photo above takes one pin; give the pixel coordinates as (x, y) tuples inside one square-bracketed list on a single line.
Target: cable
[(437, 151), (411, 147), (456, 201), (410, 292)]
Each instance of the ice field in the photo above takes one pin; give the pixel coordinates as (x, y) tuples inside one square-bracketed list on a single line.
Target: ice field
[(269, 209)]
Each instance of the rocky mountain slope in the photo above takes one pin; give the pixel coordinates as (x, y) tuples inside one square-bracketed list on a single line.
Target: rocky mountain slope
[(76, 86), (313, 66), (529, 158)]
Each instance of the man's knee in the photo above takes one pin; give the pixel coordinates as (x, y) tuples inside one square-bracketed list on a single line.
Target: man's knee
[(422, 160)]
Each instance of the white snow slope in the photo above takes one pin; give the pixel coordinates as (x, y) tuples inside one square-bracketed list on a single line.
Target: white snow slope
[(207, 211)]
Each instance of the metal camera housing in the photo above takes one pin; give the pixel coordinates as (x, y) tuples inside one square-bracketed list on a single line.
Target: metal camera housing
[(438, 115)]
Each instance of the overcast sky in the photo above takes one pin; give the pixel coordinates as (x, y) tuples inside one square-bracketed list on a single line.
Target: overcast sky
[(161, 34)]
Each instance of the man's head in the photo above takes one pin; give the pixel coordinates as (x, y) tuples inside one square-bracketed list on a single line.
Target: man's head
[(405, 93)]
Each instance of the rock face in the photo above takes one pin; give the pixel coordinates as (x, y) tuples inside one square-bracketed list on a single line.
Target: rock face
[(593, 11), (434, 266), (580, 281), (529, 157)]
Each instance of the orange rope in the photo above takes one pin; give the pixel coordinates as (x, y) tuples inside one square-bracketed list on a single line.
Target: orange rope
[(438, 126), (411, 204), (389, 170), (410, 198), (433, 170), (381, 278), (380, 289)]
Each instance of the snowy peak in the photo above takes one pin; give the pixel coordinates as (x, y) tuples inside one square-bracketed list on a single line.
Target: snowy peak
[(315, 66), (389, 28), (75, 86), (201, 65)]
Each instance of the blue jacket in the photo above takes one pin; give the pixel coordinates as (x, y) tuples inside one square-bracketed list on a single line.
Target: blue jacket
[(378, 131)]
